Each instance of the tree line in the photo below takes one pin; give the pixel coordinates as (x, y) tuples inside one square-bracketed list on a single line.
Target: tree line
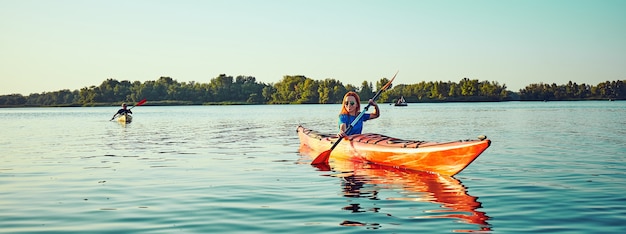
[(612, 90), (299, 89)]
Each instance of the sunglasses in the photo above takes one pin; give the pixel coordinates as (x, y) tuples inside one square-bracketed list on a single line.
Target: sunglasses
[(349, 103)]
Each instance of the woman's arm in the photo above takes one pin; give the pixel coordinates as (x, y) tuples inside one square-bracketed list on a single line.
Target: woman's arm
[(342, 130), (376, 112)]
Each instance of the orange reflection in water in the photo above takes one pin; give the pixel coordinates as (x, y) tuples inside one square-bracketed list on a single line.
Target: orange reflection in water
[(365, 180)]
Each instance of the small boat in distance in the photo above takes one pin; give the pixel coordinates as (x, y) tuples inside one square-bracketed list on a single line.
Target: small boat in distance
[(401, 102)]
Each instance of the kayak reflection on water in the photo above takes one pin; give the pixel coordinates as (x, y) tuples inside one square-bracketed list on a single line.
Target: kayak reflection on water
[(421, 187), (447, 191), (362, 180)]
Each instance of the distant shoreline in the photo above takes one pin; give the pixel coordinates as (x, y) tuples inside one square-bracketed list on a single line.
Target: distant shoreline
[(187, 103)]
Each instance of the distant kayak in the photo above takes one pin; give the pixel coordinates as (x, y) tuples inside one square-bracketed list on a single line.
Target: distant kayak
[(445, 158), (125, 118)]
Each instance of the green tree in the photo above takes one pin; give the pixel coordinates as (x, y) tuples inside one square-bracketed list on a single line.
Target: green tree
[(366, 90), (308, 92), (221, 88), (268, 92), (12, 100), (287, 89), (331, 91), (468, 87)]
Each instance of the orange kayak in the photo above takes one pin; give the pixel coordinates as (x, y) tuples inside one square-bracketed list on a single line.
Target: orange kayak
[(445, 158)]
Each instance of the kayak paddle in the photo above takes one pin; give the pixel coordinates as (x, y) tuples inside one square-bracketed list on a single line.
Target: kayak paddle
[(143, 101), (139, 103), (324, 156)]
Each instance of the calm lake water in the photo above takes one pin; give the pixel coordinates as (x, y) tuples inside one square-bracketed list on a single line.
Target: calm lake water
[(557, 167)]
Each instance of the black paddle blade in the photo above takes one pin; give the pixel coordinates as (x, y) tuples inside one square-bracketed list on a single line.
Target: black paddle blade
[(322, 158)]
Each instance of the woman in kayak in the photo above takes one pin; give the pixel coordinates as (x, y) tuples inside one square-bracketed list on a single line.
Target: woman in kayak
[(122, 111), (350, 109)]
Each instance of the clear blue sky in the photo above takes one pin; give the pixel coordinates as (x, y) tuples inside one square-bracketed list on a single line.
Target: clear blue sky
[(47, 46)]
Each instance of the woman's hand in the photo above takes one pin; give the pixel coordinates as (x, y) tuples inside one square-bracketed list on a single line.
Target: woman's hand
[(341, 134)]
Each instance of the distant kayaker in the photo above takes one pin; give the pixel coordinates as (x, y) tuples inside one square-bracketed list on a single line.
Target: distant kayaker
[(122, 111), (350, 109)]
